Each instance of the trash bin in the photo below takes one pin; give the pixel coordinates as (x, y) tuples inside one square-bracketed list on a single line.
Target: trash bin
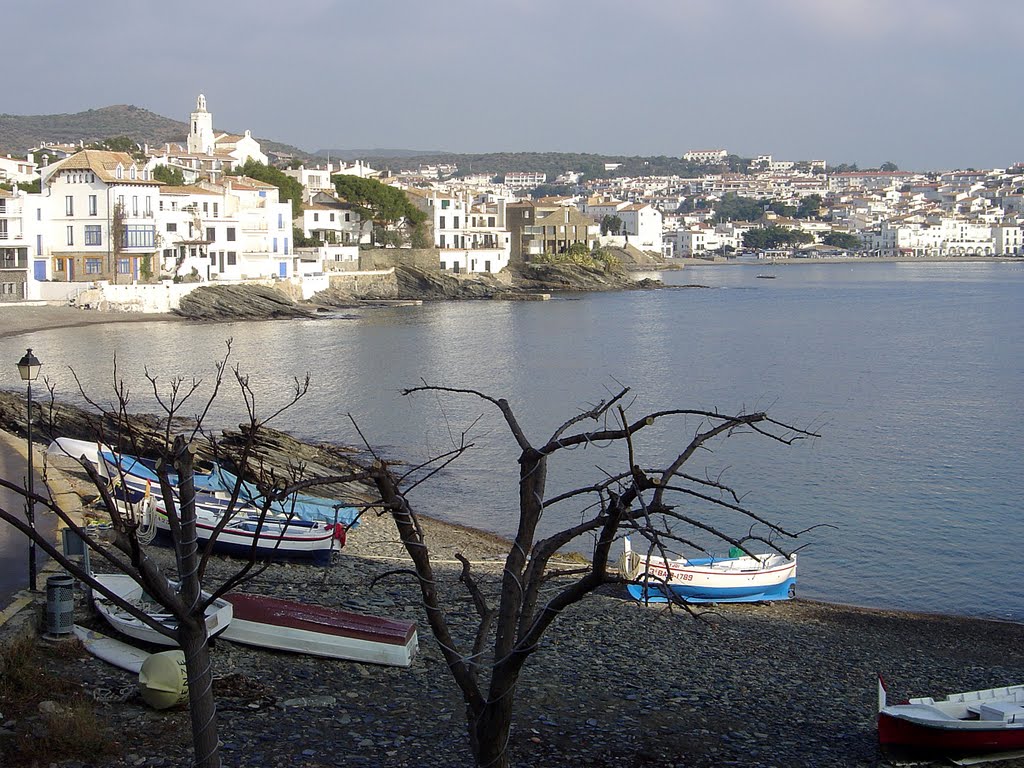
[(60, 605)]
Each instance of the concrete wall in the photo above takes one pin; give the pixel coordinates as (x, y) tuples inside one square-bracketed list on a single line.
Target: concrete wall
[(150, 298)]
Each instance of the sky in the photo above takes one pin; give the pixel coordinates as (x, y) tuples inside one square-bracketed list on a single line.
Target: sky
[(926, 84)]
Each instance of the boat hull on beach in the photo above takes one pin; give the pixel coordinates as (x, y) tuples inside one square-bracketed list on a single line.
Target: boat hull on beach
[(286, 625), (742, 579), (970, 723)]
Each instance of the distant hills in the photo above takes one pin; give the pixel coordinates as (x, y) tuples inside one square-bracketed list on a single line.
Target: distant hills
[(19, 133)]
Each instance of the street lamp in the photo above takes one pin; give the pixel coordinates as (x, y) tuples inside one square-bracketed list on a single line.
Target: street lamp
[(28, 369)]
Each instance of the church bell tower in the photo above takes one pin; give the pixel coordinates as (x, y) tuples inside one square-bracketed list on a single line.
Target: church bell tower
[(200, 137)]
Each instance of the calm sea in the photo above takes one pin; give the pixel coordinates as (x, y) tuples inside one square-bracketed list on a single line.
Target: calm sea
[(912, 374)]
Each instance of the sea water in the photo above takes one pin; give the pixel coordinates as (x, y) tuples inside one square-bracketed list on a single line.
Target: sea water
[(911, 375)]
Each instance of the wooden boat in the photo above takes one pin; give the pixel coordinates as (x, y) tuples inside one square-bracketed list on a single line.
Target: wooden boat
[(275, 536), (286, 625), (734, 579), (218, 484), (218, 615), (973, 722)]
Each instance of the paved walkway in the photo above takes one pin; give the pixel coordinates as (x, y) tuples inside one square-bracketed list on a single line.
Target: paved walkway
[(13, 545)]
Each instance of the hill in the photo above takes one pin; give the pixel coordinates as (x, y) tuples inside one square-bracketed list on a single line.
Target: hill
[(18, 133)]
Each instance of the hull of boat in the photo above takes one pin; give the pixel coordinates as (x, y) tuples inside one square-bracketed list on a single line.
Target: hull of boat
[(295, 543), (966, 737), (285, 625), (655, 592)]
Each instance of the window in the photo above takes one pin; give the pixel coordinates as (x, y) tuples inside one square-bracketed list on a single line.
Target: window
[(124, 266), (286, 245), (93, 234), (206, 207), (119, 173), (490, 221), (149, 205), (487, 266), (211, 234), (445, 203), (92, 266), (131, 173), (69, 206), (440, 222), (231, 234), (316, 217), (441, 242), (456, 224), (172, 227), (232, 258), (216, 214), (275, 245), (71, 235), (139, 236), (280, 221), (135, 205), (120, 202), (92, 205), (39, 214), (3, 229)]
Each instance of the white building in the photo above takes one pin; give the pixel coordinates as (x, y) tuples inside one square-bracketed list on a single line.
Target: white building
[(331, 221), (14, 170), (524, 179), (470, 237), (85, 193), (706, 156)]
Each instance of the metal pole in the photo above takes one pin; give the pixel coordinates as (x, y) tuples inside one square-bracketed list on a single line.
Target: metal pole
[(30, 508)]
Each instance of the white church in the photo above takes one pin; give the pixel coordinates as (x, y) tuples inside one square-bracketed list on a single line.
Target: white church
[(206, 154)]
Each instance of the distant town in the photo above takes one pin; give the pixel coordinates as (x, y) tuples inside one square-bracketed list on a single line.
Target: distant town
[(219, 208)]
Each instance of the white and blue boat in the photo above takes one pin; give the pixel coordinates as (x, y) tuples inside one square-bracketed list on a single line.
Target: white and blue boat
[(246, 532), (217, 485), (734, 579)]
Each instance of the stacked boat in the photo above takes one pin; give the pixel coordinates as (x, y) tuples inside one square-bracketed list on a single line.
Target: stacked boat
[(241, 529)]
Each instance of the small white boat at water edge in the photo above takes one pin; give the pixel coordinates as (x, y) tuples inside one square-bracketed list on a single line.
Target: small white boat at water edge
[(218, 614), (742, 579)]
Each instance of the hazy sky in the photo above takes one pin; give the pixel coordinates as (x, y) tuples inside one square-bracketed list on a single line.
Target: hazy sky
[(927, 84)]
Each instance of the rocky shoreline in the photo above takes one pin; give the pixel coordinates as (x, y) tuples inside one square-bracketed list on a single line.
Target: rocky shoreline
[(615, 683)]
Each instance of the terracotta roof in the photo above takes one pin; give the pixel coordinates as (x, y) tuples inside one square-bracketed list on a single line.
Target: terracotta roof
[(186, 190), (104, 165), (245, 182)]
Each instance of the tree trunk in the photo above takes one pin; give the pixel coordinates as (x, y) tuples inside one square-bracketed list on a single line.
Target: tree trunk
[(202, 706), (489, 733)]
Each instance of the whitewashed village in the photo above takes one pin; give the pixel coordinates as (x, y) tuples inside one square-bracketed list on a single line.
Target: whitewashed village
[(103, 230)]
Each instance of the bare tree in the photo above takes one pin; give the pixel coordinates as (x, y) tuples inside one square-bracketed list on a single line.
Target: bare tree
[(651, 502), (181, 591)]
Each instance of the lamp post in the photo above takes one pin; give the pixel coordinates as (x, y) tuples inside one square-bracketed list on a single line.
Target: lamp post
[(28, 368)]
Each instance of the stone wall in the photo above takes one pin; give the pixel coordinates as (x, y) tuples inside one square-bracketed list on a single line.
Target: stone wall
[(380, 284), (427, 259)]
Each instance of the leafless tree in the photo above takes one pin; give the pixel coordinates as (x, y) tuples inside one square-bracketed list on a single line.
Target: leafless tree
[(181, 591), (652, 502)]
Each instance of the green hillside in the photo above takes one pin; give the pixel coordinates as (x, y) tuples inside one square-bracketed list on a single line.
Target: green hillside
[(18, 133)]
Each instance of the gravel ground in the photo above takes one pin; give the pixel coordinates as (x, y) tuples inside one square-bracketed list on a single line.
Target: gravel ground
[(615, 683)]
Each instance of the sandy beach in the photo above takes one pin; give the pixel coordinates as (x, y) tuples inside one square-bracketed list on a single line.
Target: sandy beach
[(18, 320)]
